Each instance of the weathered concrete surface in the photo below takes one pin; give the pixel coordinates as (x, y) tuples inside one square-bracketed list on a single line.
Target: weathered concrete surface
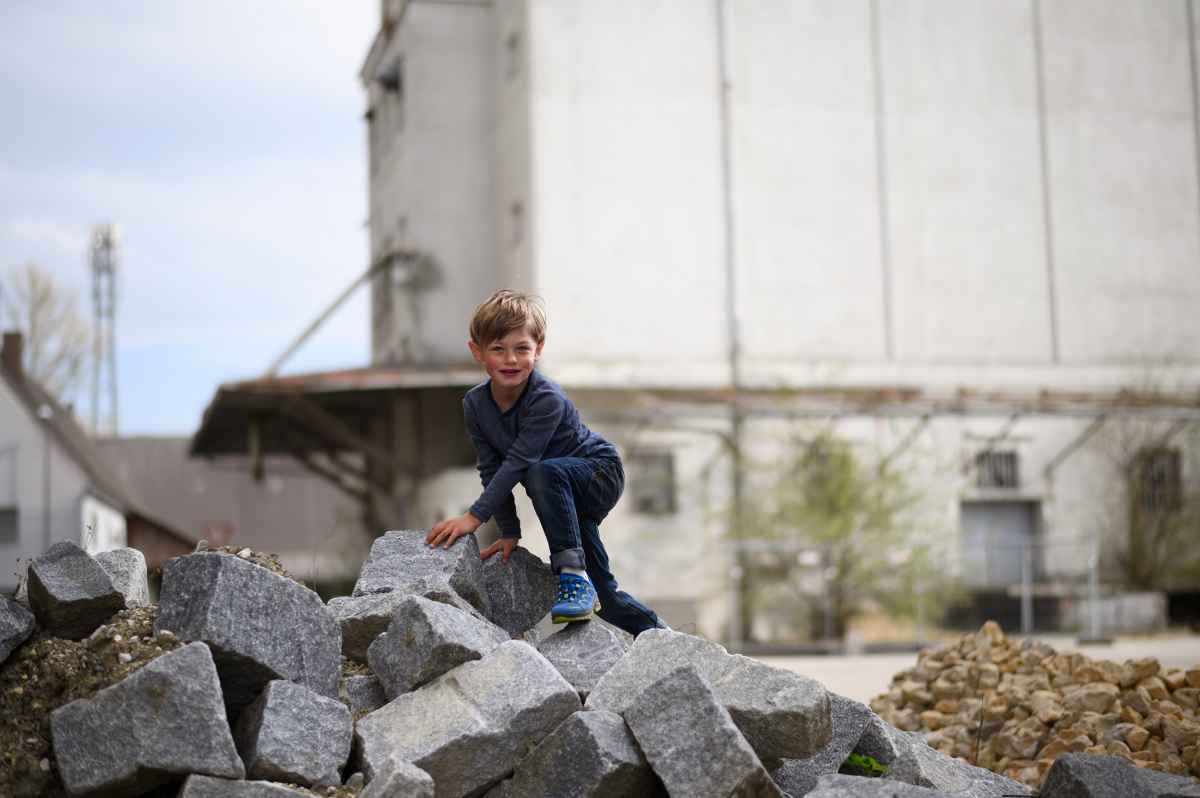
[(848, 719), (520, 592), (208, 787), (584, 652), (469, 727), (692, 742), (127, 570), (1088, 776), (426, 639), (784, 715), (400, 562), (259, 625), (362, 693), (163, 721), (69, 593), (16, 625), (291, 734), (399, 779), (589, 755)]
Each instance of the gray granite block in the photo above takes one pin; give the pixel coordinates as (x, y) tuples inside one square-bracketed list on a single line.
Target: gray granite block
[(362, 619), (590, 755), (691, 741), (16, 625), (69, 593), (1089, 776), (836, 785), (584, 652), (259, 625), (426, 639), (163, 721), (208, 787), (520, 592), (400, 562), (362, 693), (848, 719), (291, 734), (400, 779), (911, 760), (127, 569), (784, 715), (469, 727)]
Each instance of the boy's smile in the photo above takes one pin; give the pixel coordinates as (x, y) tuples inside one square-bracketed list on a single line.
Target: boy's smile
[(509, 361)]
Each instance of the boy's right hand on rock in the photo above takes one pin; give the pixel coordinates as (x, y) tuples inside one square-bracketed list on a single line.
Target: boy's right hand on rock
[(504, 546)]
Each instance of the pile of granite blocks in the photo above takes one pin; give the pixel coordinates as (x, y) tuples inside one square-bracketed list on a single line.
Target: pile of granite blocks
[(430, 680)]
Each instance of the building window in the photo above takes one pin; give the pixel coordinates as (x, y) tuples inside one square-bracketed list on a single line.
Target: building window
[(997, 470), (8, 524), (651, 482), (1158, 481)]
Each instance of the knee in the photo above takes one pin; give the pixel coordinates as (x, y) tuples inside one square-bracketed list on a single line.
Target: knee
[(539, 478)]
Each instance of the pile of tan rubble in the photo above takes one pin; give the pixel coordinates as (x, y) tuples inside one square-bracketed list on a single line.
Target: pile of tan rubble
[(1016, 707)]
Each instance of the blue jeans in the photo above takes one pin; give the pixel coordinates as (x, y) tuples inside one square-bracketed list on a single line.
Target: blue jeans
[(572, 495)]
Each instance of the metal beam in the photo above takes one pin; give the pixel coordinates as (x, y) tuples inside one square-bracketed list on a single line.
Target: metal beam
[(304, 410), (1073, 446), (908, 441)]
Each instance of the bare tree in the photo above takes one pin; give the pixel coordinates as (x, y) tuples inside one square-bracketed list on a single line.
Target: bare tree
[(57, 338)]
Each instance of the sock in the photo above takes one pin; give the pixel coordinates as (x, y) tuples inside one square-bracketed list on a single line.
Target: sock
[(576, 571)]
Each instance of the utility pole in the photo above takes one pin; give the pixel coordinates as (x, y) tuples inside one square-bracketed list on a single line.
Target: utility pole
[(103, 263)]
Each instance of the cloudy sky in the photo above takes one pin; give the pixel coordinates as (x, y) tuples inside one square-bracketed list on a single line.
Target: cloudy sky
[(226, 139)]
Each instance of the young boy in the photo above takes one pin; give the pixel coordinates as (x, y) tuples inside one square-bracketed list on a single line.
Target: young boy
[(526, 430)]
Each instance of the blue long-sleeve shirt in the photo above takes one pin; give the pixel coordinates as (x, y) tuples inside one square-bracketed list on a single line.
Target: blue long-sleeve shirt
[(542, 424)]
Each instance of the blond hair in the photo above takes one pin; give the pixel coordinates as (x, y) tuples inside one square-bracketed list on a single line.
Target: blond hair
[(507, 311)]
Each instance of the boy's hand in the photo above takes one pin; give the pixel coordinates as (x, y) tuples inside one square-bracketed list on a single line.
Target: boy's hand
[(450, 530), (503, 545)]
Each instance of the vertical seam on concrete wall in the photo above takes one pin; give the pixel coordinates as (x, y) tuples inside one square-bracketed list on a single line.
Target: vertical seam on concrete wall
[(724, 89), (1190, 10), (1047, 196), (885, 250)]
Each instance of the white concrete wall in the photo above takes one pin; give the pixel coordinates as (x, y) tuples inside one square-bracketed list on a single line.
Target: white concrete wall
[(103, 526), (1123, 177), (433, 185), (25, 437), (628, 234)]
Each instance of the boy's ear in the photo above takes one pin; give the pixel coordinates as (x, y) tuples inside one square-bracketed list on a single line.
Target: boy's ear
[(538, 352), (476, 352)]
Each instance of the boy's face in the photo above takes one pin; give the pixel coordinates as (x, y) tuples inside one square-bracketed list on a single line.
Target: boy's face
[(508, 360)]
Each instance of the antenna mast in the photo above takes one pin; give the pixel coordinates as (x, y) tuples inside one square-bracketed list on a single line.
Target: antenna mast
[(105, 240)]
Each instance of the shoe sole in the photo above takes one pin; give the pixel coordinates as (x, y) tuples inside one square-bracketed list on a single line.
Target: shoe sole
[(572, 618)]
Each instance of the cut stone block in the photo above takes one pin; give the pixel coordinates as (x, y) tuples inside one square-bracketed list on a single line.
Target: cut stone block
[(1088, 776), (400, 779), (692, 743), (163, 721), (469, 727), (69, 593), (208, 787), (16, 625), (259, 625), (127, 569), (362, 619), (292, 734), (520, 592), (584, 652), (362, 693), (590, 755), (784, 715), (426, 639), (849, 719), (910, 760), (400, 562), (836, 785)]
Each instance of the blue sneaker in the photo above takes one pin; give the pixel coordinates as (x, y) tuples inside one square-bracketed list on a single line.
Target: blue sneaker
[(576, 600)]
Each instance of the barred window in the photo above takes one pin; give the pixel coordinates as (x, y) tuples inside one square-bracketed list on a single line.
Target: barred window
[(997, 470), (651, 481), (1159, 480)]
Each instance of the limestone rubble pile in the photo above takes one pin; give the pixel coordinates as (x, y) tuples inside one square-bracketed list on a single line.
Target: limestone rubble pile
[(1015, 708), (425, 684)]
